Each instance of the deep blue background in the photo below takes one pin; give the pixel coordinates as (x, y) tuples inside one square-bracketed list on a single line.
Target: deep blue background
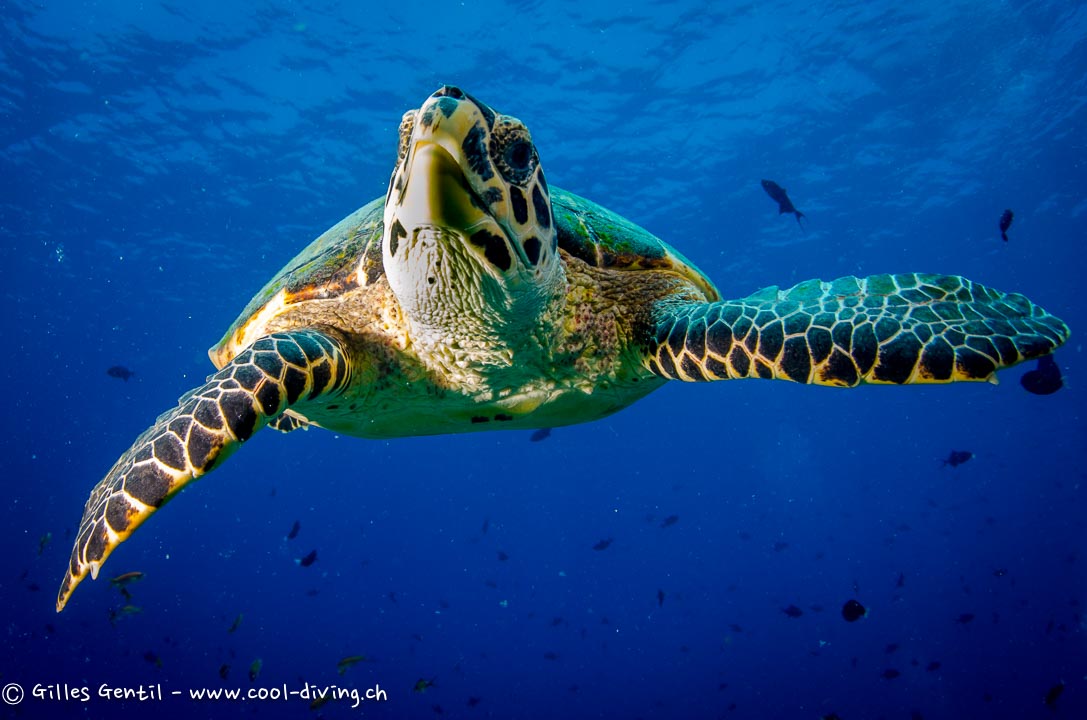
[(160, 161)]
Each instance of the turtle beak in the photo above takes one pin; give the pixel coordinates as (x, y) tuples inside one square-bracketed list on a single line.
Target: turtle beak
[(436, 193)]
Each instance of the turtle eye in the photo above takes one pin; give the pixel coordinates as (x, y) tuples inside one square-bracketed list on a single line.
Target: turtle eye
[(407, 126), (519, 155), (513, 152)]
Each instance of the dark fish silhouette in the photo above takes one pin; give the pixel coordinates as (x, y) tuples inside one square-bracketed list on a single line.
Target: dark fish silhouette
[(660, 598), (473, 701), (933, 666), (541, 434), (224, 671), (486, 525), (1005, 223), (120, 372), (891, 647), (890, 674), (792, 611), (853, 611), (309, 559), (958, 457), (901, 580), (503, 556), (1044, 379), (785, 205), (602, 545), (1053, 694), (670, 520), (964, 618), (422, 685), (294, 530), (236, 624)]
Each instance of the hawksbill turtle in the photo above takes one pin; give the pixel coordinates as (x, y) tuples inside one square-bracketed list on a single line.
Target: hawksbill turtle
[(473, 296)]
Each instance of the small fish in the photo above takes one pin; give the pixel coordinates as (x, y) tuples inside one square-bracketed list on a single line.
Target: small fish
[(541, 434), (349, 661), (308, 560), (792, 611), (549, 655), (853, 611), (556, 621), (785, 205), (473, 701), (933, 666), (891, 647), (958, 457), (1006, 222), (123, 612), (126, 579), (236, 624), (422, 685), (503, 556), (486, 526), (1052, 694), (780, 545), (43, 541), (669, 521), (602, 545), (660, 598), (964, 618), (254, 669), (294, 530), (392, 597), (890, 674), (901, 580), (1000, 572), (735, 628), (152, 658), (224, 671), (1044, 379), (120, 372)]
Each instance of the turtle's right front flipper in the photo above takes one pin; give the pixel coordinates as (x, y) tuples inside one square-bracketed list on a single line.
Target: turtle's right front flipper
[(277, 372)]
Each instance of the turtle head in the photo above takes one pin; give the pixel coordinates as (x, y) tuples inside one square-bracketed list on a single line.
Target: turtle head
[(468, 228)]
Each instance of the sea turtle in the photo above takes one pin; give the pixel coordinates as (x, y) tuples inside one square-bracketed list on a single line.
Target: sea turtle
[(473, 296)]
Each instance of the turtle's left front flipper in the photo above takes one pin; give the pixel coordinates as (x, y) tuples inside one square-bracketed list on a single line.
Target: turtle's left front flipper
[(891, 329), (277, 372)]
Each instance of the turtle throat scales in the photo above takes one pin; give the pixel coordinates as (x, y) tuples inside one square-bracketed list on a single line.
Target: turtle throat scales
[(469, 246)]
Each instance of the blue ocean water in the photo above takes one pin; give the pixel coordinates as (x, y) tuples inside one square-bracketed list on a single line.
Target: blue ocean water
[(160, 161)]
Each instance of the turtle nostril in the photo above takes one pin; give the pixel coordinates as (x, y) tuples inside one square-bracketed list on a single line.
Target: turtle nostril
[(449, 91)]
